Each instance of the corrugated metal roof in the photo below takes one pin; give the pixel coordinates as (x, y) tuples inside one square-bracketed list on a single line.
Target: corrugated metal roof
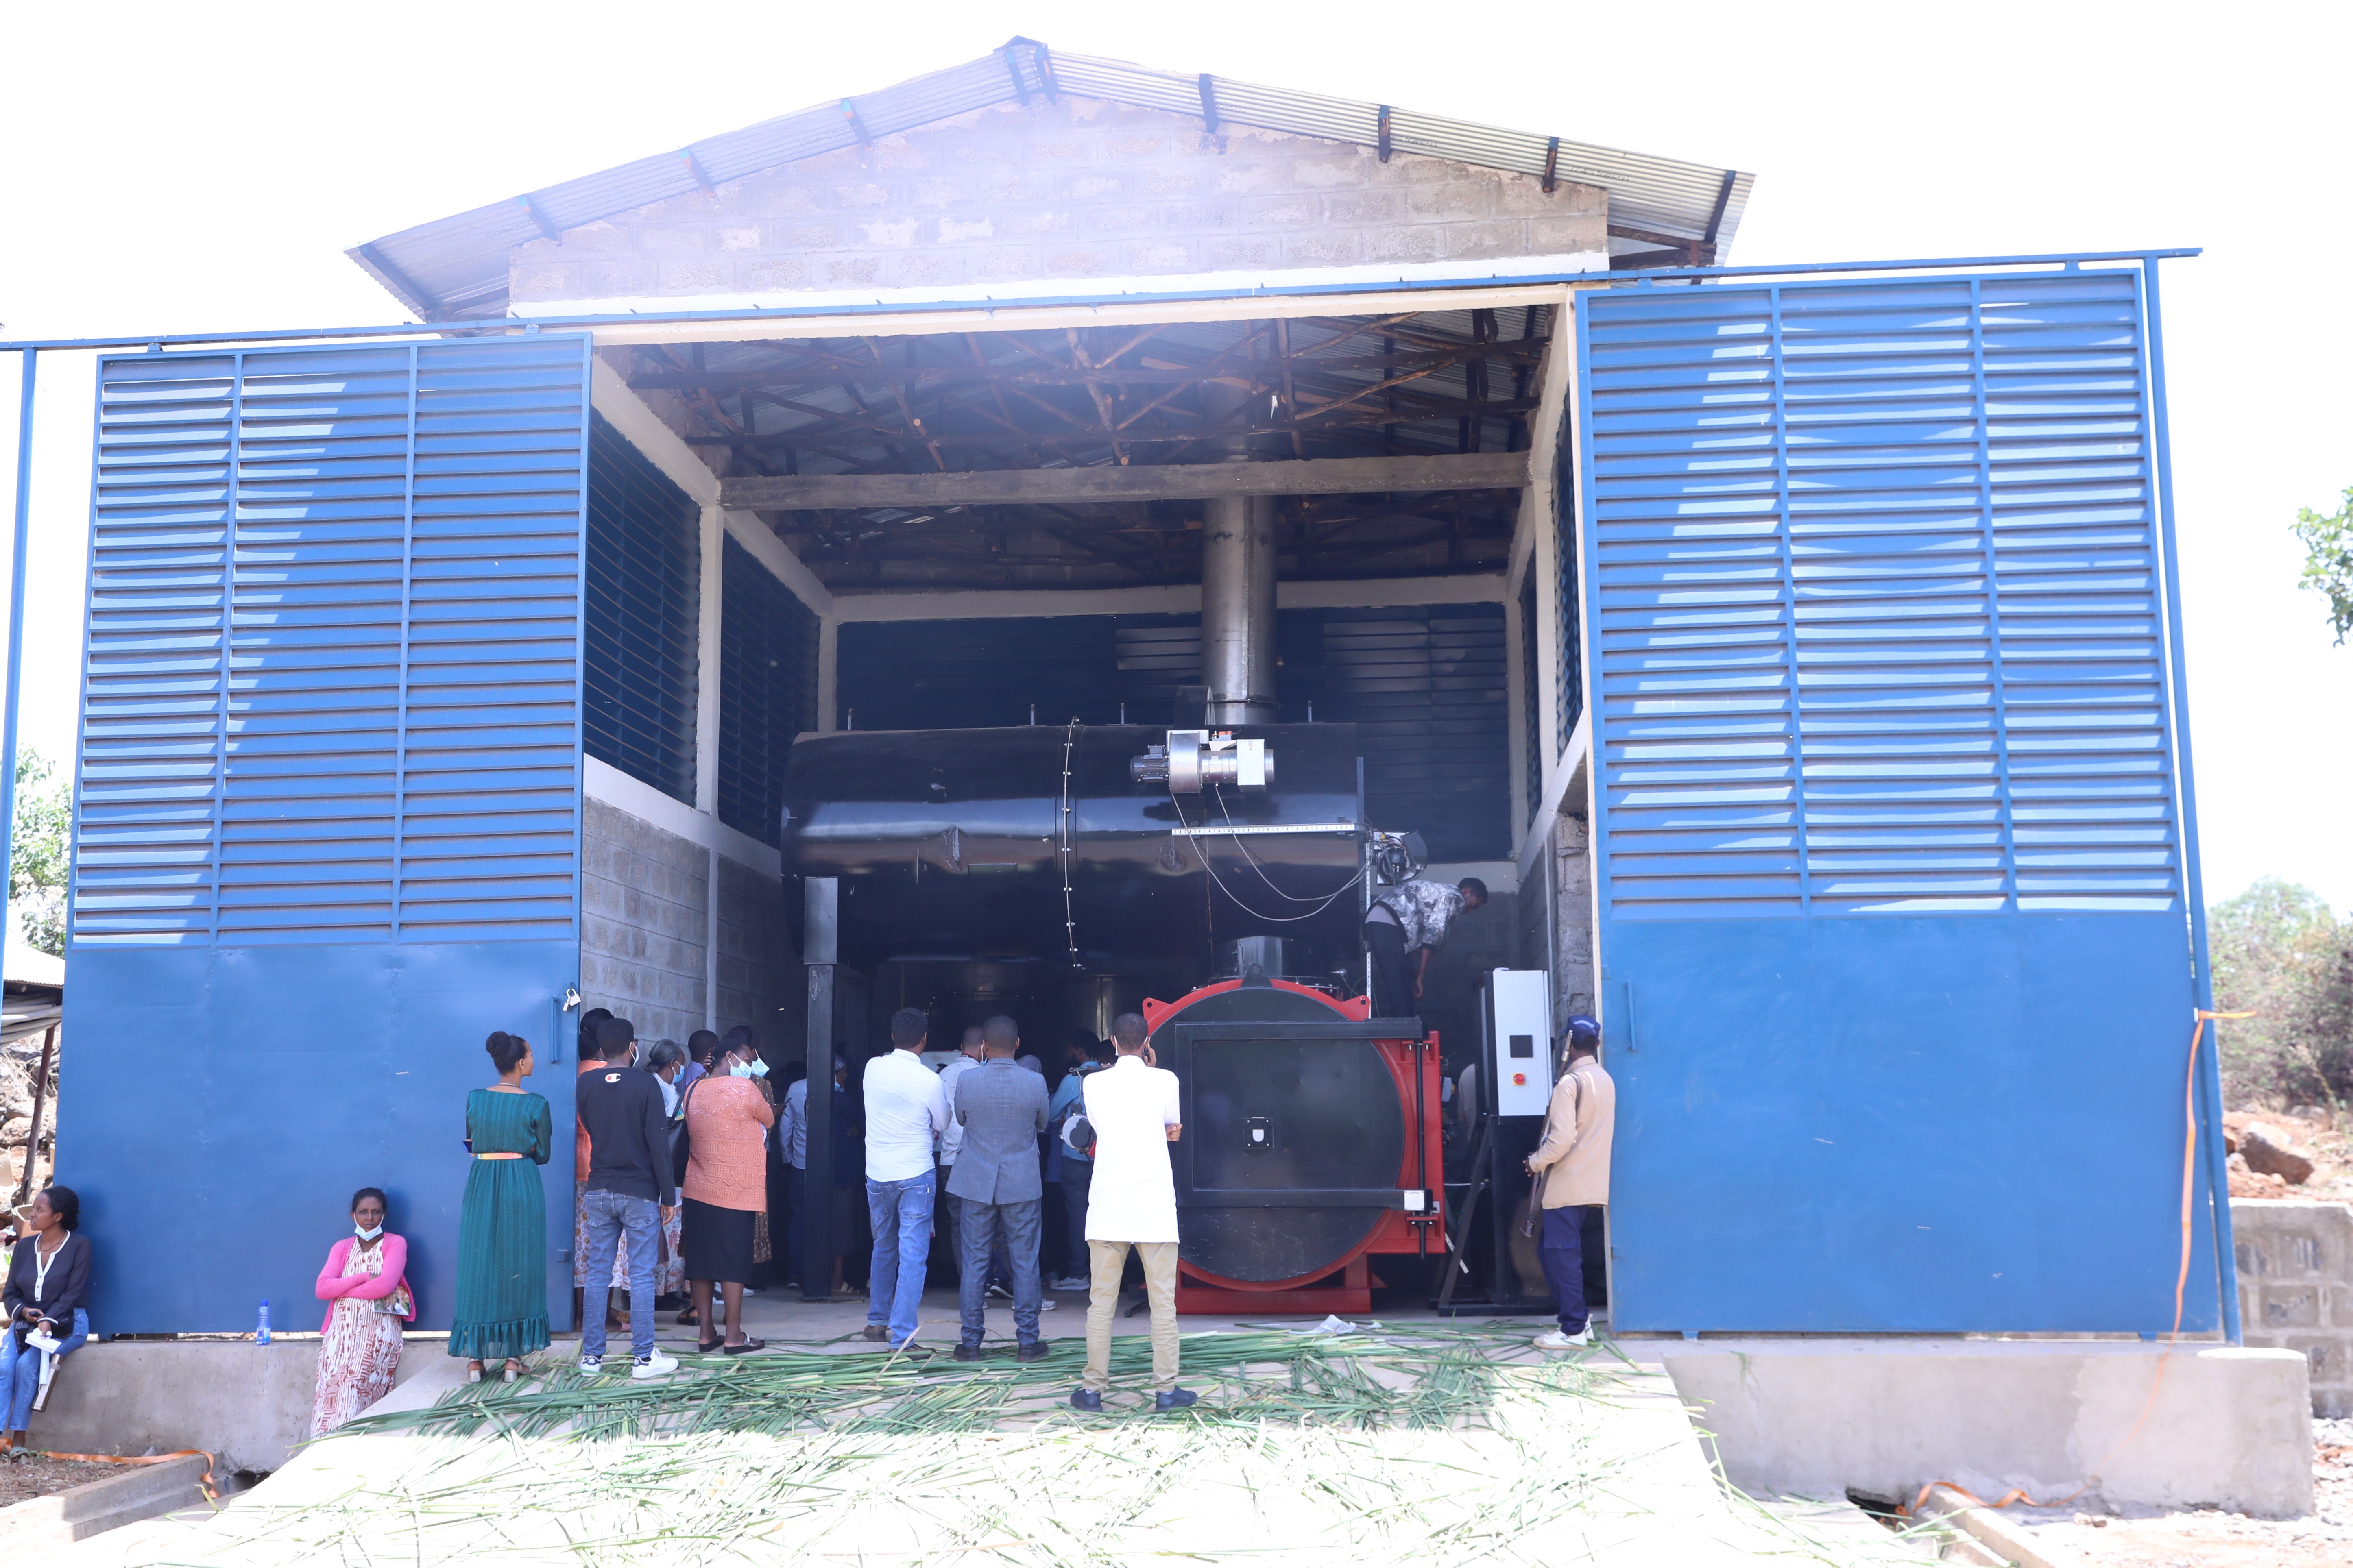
[(457, 266)]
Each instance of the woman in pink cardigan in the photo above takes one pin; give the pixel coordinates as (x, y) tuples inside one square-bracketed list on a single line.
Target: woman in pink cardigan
[(359, 1344)]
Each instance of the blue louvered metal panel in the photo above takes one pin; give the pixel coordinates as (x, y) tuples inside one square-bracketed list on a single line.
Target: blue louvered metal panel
[(1889, 874), (1875, 601), (329, 801), (645, 590), (332, 683), (767, 690)]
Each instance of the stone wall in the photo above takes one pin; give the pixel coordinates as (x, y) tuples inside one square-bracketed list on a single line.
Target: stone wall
[(1076, 189), (2295, 1287), (645, 923)]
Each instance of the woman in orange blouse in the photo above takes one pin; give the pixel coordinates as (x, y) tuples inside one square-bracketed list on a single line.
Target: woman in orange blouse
[(727, 1188)]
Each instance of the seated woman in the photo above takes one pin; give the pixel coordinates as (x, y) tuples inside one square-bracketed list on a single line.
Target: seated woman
[(48, 1300), (367, 1296)]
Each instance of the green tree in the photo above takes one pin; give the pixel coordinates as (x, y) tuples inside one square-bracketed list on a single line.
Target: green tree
[(40, 850), (2279, 951), (2328, 560)]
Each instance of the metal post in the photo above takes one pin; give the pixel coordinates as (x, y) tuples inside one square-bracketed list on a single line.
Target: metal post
[(2210, 1077), (15, 640), (820, 951)]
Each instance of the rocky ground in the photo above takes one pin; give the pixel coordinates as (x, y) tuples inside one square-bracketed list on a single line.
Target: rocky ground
[(2292, 1153)]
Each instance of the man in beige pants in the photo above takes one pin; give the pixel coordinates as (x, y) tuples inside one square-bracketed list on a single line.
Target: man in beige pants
[(1130, 1110)]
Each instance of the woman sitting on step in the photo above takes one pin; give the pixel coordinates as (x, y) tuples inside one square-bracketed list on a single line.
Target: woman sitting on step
[(47, 1301)]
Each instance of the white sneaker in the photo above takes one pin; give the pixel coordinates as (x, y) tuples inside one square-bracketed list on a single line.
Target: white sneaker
[(1557, 1340), (590, 1365), (654, 1365), (1045, 1303)]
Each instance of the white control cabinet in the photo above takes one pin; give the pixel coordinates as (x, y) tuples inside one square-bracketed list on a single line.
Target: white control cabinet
[(1518, 1025)]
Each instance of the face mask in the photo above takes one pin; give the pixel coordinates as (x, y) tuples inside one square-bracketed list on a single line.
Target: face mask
[(755, 1069), (369, 1235)]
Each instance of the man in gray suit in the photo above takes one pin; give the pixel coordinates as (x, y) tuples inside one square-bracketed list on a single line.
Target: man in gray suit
[(1002, 1110)]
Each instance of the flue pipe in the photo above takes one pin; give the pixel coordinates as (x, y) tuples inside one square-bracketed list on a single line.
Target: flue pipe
[(1237, 593)]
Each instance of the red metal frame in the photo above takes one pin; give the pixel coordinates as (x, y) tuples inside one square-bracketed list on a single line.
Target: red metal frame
[(1347, 1285)]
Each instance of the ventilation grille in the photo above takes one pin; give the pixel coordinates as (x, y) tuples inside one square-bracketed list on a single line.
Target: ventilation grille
[(333, 654), (767, 690), (1878, 608), (645, 568)]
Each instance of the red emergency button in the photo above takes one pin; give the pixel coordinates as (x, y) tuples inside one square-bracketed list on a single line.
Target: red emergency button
[(1519, 1081)]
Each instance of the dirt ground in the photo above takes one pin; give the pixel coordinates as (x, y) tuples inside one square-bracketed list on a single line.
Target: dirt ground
[(2330, 1150), (2210, 1539), (25, 1476)]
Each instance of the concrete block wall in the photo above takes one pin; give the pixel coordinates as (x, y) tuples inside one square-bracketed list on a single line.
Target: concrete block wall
[(1576, 988), (1075, 189), (760, 980), (646, 925), (2295, 1287)]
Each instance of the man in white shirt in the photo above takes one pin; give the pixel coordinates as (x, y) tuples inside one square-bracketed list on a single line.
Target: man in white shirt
[(1131, 1114), (905, 1114)]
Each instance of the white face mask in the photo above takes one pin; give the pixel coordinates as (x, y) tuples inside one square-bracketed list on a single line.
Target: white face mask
[(368, 1234), (753, 1068)]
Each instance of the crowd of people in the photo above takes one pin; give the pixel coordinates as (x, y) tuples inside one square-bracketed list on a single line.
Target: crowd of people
[(682, 1152)]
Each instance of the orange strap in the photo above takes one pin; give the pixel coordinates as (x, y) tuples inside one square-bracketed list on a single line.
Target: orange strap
[(2180, 1287), (204, 1482)]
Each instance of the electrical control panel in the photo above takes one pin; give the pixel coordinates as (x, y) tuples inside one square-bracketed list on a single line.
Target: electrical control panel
[(1517, 1020)]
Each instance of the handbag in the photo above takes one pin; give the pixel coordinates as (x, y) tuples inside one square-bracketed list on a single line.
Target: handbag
[(400, 1304)]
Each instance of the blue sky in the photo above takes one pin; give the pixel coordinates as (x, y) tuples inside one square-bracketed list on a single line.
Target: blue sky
[(170, 168)]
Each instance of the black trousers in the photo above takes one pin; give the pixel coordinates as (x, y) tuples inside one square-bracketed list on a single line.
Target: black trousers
[(1392, 977)]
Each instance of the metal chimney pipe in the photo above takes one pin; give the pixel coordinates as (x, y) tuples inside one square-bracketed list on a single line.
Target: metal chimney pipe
[(1238, 591), (1238, 609)]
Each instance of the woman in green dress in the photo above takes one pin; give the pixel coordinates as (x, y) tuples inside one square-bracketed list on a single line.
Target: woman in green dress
[(502, 1225)]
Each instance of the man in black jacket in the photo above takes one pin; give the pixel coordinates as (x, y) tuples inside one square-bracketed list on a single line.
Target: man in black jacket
[(629, 1192)]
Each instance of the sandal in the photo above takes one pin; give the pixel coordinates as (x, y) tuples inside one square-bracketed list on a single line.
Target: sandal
[(706, 1347), (511, 1371), (746, 1348), (688, 1316), (473, 1372)]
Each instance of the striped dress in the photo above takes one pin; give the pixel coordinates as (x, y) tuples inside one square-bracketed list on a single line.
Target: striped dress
[(501, 1309)]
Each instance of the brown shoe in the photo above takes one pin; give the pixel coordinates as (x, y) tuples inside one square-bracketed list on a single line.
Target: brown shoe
[(878, 1332)]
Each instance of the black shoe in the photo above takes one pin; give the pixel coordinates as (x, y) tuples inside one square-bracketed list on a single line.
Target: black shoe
[(1175, 1399), (1085, 1399), (1001, 1292), (969, 1353), (1033, 1349), (877, 1333)]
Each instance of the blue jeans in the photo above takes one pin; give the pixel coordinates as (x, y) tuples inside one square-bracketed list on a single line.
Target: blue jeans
[(900, 1213), (1011, 1228), (1571, 1250), (20, 1368), (614, 1217)]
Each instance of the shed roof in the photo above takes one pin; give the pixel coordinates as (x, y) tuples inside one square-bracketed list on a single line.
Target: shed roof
[(456, 266)]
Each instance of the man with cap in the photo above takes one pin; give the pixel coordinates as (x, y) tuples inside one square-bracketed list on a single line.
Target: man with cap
[(1571, 1166)]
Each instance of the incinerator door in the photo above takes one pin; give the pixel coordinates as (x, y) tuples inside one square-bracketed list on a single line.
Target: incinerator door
[(1892, 880), (329, 813)]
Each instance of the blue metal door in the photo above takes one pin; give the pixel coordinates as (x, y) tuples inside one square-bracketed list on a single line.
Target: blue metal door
[(1891, 919), (328, 806)]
